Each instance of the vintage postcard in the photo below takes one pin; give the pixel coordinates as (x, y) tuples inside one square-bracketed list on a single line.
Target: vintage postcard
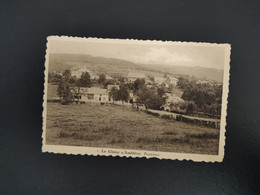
[(134, 98)]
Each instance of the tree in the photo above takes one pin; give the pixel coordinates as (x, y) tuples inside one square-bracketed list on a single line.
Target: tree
[(102, 79), (138, 84), (67, 74), (109, 82), (122, 79), (130, 86), (165, 75), (150, 98), (114, 94), (85, 79), (151, 78), (77, 89), (161, 91), (123, 94), (190, 108), (185, 82), (64, 92), (54, 77)]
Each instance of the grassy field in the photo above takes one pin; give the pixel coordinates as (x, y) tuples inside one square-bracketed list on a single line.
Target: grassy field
[(94, 125)]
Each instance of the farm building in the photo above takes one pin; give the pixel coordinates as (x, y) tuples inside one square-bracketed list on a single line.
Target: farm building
[(94, 94), (171, 99)]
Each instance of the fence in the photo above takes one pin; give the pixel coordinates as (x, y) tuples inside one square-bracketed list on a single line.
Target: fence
[(209, 122)]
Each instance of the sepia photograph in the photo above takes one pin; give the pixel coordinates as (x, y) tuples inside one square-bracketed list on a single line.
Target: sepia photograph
[(135, 98)]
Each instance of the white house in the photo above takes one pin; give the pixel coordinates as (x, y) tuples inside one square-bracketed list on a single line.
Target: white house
[(94, 94), (172, 98), (173, 81)]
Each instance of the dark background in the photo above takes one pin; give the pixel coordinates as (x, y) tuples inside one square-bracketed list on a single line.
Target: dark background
[(24, 26)]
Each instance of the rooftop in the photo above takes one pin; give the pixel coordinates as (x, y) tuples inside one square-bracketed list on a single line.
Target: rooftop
[(94, 90)]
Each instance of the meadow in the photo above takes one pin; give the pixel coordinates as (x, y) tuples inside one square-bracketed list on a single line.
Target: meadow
[(95, 125)]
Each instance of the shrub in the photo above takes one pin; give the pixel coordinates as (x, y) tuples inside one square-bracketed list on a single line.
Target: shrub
[(165, 116)]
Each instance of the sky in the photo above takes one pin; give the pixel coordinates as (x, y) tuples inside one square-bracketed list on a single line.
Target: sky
[(169, 53)]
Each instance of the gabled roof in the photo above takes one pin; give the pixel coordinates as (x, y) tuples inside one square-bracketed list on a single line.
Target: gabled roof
[(95, 90), (108, 77)]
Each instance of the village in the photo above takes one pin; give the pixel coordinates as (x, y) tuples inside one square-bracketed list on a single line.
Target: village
[(157, 96)]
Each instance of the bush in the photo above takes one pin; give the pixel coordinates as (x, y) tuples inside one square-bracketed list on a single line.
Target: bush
[(190, 108), (165, 116)]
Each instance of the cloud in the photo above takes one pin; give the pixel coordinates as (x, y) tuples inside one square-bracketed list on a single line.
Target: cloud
[(162, 56)]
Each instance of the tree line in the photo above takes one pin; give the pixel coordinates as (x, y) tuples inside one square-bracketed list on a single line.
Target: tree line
[(205, 98)]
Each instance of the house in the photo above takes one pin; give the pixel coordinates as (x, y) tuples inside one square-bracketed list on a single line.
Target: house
[(204, 81), (172, 80), (133, 76), (172, 98), (94, 94), (164, 84)]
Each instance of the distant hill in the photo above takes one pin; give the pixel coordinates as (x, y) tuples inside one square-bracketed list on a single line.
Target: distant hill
[(197, 71), (61, 62)]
